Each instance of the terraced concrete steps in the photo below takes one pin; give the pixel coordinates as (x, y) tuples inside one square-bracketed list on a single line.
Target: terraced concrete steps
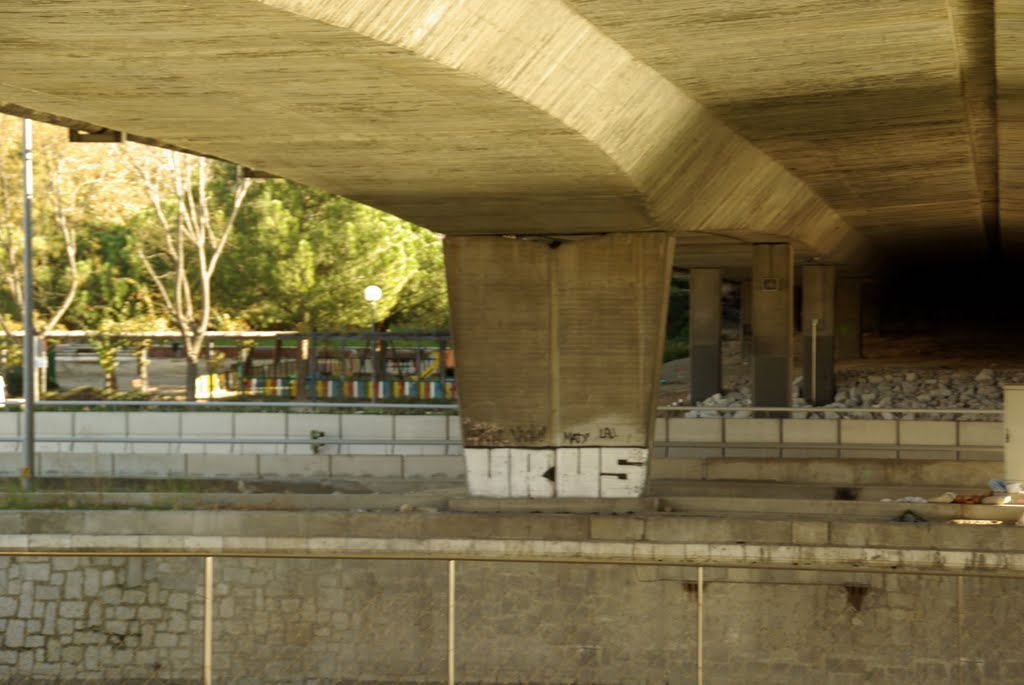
[(841, 472), (798, 509), (803, 491), (830, 489)]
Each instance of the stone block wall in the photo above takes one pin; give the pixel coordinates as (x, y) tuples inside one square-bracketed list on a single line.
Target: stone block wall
[(297, 621), (104, 619)]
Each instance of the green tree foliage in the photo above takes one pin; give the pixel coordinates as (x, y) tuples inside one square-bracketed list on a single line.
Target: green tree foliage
[(81, 191), (302, 258), (111, 222)]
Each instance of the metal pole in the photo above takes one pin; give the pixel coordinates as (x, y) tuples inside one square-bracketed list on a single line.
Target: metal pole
[(373, 346), (451, 622), (700, 625), (208, 623), (28, 343), (960, 627)]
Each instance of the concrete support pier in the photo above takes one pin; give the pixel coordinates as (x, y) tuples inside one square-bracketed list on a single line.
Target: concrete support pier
[(705, 333), (746, 328), (558, 348), (772, 322), (818, 327), (848, 318), (871, 308)]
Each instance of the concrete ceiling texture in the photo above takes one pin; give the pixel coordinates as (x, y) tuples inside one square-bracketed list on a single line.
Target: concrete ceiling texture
[(857, 131)]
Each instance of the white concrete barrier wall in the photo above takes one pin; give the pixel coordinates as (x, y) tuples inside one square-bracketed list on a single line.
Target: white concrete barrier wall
[(399, 445), (383, 445), (850, 438)]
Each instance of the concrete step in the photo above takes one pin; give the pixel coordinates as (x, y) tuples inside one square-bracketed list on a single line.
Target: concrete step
[(736, 540), (804, 491), (842, 472), (831, 489), (824, 510)]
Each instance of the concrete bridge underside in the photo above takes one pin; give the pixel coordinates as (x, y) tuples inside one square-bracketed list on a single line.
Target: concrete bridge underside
[(575, 151)]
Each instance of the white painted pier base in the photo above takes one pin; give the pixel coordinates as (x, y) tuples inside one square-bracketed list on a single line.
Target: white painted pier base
[(556, 472)]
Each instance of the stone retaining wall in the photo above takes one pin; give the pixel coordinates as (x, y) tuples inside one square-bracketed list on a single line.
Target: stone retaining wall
[(298, 621), (101, 618)]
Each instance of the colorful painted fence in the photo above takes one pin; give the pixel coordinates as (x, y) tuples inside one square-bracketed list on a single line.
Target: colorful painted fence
[(216, 385)]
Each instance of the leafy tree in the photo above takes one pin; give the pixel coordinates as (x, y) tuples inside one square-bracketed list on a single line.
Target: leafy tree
[(76, 187), (304, 256)]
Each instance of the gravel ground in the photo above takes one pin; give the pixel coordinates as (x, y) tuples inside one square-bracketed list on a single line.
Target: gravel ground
[(909, 372)]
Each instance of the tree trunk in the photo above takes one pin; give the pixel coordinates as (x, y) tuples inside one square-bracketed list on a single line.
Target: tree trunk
[(277, 359), (302, 371), (142, 355), (191, 373)]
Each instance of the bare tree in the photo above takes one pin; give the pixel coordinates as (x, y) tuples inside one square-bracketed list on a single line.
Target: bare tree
[(191, 232)]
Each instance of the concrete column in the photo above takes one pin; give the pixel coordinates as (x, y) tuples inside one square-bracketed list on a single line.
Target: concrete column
[(746, 329), (772, 321), (818, 327), (1013, 430), (871, 308), (558, 351), (848, 318), (705, 333)]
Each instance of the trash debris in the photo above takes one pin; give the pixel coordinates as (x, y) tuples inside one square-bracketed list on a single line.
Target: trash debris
[(995, 495), (996, 485), (1002, 498), (911, 517), (409, 508), (968, 499)]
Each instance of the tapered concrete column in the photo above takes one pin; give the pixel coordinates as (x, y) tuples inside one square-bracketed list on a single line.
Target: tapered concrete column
[(848, 319), (705, 333), (772, 321), (818, 327), (558, 352)]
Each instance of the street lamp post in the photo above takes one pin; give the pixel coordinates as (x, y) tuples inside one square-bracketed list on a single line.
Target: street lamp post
[(373, 293), (28, 351)]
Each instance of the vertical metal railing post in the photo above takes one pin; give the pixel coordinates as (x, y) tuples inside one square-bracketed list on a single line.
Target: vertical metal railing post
[(700, 625), (960, 619), (451, 622), (208, 622)]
